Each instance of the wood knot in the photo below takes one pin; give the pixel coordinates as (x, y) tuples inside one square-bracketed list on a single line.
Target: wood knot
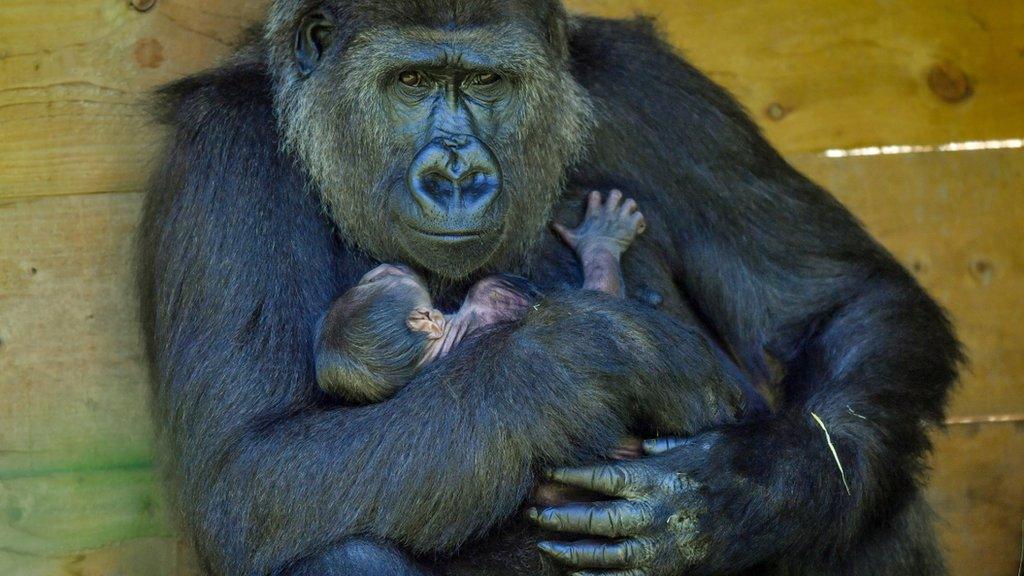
[(983, 271), (143, 5), (949, 83), (920, 265), (149, 53), (776, 111)]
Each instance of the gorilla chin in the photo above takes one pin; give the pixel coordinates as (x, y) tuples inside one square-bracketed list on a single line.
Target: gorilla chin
[(452, 251)]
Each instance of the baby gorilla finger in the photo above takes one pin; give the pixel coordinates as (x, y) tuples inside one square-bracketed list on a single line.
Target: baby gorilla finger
[(613, 200), (594, 201), (638, 221), (629, 207), (568, 236)]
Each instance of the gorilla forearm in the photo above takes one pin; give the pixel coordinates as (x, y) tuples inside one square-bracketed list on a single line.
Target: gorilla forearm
[(454, 453), (875, 396)]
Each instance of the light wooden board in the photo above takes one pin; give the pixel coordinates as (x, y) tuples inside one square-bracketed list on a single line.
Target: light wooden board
[(820, 74), (817, 75), (978, 492), (135, 557), (71, 372), (75, 78)]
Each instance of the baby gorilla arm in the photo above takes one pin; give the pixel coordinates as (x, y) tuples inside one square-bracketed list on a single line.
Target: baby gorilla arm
[(607, 231)]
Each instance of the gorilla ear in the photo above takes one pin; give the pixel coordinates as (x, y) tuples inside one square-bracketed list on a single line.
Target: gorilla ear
[(314, 35)]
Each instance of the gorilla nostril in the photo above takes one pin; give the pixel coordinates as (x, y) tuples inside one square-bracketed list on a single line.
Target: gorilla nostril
[(470, 178), (477, 185), (447, 181)]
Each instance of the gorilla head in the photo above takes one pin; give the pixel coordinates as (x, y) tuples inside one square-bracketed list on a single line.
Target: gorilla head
[(436, 136)]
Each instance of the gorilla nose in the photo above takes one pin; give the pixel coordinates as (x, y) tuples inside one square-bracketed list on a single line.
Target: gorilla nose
[(454, 177)]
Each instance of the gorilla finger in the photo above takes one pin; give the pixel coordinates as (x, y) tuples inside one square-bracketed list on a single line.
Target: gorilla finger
[(613, 480), (593, 203), (632, 553), (659, 445), (608, 519)]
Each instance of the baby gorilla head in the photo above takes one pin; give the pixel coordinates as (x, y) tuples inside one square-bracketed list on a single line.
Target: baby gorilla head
[(382, 331), (376, 335)]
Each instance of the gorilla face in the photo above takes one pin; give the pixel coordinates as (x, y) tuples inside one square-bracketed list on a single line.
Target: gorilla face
[(436, 139)]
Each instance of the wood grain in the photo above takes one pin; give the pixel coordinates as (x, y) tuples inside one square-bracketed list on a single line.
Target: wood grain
[(817, 75), (75, 82), (71, 375), (820, 74), (978, 493)]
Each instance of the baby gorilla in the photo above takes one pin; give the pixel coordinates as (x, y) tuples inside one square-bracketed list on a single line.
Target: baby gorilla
[(381, 332)]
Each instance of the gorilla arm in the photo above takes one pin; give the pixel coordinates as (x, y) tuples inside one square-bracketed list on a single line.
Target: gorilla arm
[(777, 267), (238, 262)]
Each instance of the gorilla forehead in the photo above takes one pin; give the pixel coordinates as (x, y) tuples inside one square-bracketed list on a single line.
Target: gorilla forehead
[(434, 13)]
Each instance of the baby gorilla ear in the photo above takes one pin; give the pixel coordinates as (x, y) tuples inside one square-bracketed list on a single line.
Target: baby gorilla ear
[(427, 320)]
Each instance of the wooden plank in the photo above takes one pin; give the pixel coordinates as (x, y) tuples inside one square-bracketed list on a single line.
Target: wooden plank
[(71, 372), (824, 74), (56, 514), (136, 557), (820, 74), (75, 78), (978, 494), (957, 221)]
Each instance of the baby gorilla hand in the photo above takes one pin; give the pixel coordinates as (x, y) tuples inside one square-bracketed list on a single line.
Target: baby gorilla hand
[(428, 321), (608, 227)]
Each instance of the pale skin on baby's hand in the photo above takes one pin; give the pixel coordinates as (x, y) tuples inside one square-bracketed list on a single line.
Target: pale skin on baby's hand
[(608, 229)]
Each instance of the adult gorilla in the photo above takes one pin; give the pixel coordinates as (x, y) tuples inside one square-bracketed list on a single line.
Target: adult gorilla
[(446, 134)]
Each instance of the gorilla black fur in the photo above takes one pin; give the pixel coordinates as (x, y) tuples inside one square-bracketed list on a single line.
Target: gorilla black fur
[(240, 258)]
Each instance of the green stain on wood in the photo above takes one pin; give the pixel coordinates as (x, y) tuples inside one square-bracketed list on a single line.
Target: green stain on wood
[(66, 511)]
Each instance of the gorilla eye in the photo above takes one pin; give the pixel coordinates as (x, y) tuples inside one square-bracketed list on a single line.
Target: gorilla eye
[(411, 78), (314, 36), (486, 79)]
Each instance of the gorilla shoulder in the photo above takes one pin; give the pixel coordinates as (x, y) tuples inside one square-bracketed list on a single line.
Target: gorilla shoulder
[(238, 91)]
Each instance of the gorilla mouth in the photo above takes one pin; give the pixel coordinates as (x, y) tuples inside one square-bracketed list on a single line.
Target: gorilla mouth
[(450, 235)]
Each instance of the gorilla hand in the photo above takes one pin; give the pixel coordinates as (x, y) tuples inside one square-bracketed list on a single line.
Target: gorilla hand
[(659, 523)]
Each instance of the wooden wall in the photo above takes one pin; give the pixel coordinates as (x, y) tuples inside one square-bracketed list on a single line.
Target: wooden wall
[(78, 492)]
